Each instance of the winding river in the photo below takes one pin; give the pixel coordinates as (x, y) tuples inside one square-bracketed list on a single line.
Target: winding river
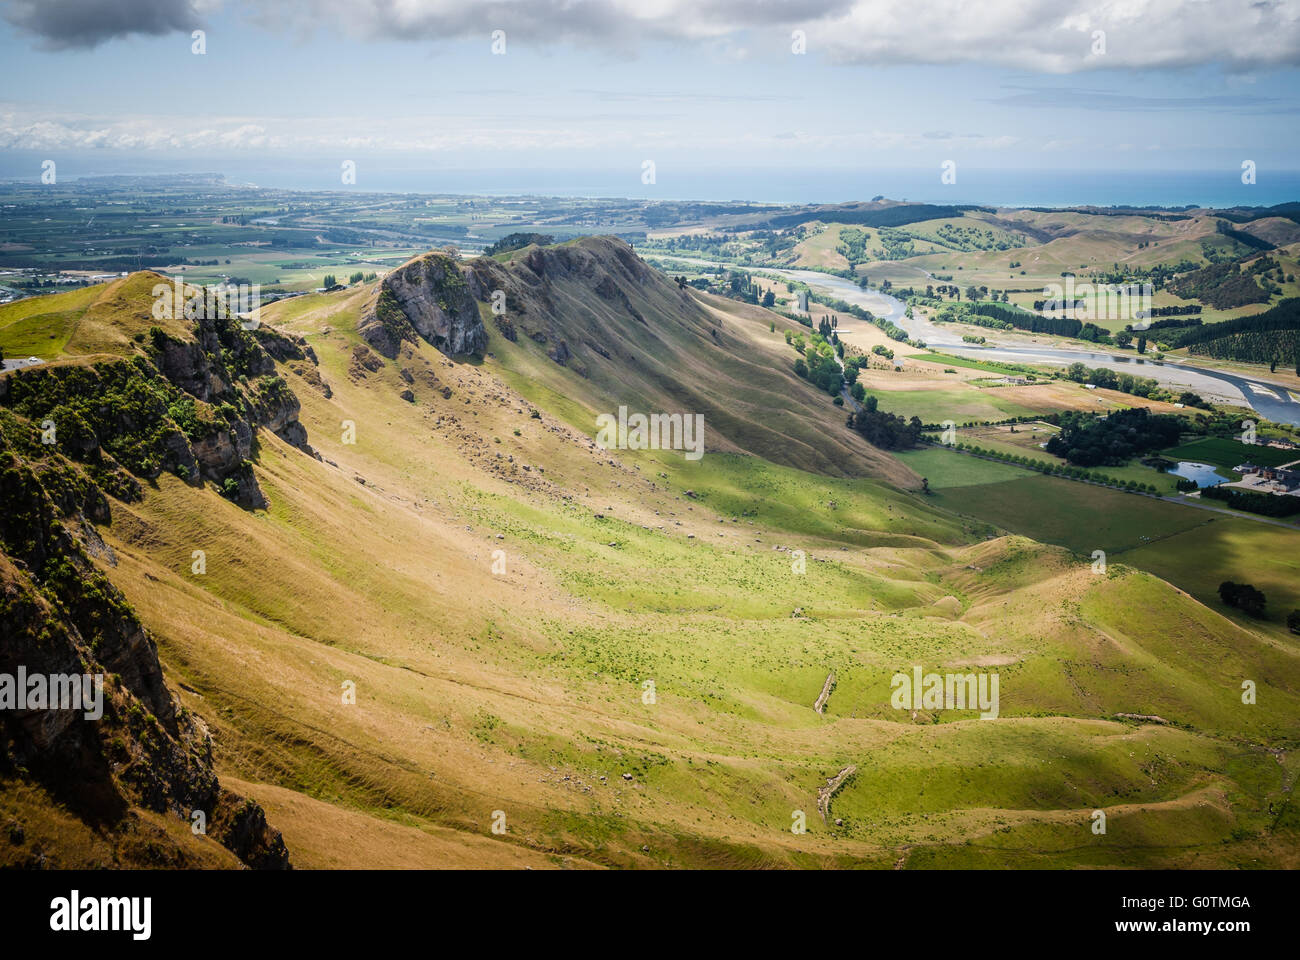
[(1270, 400)]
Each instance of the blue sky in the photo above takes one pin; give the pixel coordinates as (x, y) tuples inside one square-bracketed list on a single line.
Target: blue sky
[(605, 84)]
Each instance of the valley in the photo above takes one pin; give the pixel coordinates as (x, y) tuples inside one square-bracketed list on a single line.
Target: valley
[(437, 624)]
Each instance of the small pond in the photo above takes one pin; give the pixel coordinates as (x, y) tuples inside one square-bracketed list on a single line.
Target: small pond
[(1205, 474)]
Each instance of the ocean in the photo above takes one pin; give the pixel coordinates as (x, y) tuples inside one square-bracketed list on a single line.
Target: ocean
[(993, 186)]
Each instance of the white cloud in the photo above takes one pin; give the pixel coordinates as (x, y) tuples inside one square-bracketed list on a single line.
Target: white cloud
[(1051, 36), (24, 129)]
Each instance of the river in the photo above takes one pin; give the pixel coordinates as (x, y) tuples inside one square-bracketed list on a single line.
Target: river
[(1270, 400)]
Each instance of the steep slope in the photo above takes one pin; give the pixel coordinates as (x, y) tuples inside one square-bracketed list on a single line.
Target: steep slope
[(80, 438), (465, 613), (593, 323), (428, 297), (80, 790), (1278, 231)]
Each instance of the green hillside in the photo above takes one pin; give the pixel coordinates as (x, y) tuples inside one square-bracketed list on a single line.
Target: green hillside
[(617, 652)]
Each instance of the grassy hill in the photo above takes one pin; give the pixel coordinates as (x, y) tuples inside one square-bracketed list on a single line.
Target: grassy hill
[(627, 335), (90, 321), (463, 612)]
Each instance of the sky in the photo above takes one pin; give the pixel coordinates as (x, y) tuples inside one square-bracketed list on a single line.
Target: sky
[(708, 91)]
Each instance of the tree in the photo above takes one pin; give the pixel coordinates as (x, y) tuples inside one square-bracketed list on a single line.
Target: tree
[(1142, 344), (1293, 621), (769, 299), (1123, 338), (330, 281), (1087, 441), (1242, 596)]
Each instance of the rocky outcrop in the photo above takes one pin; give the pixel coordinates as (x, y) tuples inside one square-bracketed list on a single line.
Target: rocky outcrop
[(363, 361), (427, 297), (63, 617), (433, 298), (189, 406), (540, 285)]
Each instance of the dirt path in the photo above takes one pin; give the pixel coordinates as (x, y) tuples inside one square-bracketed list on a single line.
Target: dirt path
[(827, 687), (825, 793)]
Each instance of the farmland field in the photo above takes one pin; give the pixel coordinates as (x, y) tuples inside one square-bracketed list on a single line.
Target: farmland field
[(1229, 453), (1080, 516)]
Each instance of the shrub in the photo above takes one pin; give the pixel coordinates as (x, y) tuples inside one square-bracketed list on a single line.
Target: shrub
[(1242, 596)]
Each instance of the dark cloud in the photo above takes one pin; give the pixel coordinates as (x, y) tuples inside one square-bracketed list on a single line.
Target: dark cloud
[(63, 24), (1044, 36)]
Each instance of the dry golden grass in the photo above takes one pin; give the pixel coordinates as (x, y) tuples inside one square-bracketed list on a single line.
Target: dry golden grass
[(522, 691)]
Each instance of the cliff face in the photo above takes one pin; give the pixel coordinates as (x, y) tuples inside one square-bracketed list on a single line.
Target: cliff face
[(192, 407), (575, 298), (70, 436), (63, 617), (429, 298)]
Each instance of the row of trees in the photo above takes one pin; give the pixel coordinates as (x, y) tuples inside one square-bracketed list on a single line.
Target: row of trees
[(1024, 320), (892, 330), (1127, 383), (1264, 504), (1053, 469), (818, 364)]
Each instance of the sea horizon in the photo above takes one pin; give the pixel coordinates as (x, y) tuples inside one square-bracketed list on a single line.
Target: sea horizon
[(1220, 188)]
